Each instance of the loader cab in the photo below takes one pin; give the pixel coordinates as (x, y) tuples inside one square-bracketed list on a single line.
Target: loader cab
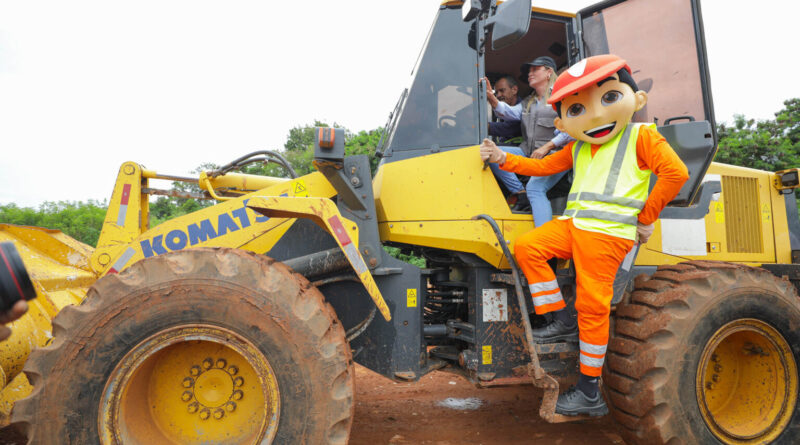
[(445, 106)]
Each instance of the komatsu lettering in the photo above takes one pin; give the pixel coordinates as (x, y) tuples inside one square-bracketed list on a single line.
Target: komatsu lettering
[(199, 232)]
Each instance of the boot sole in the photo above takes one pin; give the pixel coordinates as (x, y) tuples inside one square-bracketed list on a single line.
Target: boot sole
[(572, 338), (594, 412)]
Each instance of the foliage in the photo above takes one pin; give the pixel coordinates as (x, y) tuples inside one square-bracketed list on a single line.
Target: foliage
[(80, 220), (299, 149), (411, 259), (771, 145)]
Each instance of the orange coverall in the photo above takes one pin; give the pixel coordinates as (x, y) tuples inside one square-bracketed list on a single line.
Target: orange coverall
[(597, 256)]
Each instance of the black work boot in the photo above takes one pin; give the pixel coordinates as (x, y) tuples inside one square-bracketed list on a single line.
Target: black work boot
[(523, 204), (574, 402), (556, 332)]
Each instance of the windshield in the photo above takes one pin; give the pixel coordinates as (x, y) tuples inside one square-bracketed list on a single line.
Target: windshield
[(658, 41), (442, 106)]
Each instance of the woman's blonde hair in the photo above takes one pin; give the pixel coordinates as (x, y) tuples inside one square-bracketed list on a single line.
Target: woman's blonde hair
[(550, 82), (549, 90)]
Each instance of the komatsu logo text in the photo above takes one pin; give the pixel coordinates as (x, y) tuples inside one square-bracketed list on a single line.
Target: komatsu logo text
[(199, 232)]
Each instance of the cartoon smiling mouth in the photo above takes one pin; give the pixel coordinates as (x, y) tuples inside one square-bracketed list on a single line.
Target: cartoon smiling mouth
[(600, 131)]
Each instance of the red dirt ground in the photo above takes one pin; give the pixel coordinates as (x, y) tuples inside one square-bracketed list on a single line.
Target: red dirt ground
[(407, 413)]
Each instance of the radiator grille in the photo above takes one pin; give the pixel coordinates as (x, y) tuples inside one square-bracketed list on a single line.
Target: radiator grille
[(742, 216)]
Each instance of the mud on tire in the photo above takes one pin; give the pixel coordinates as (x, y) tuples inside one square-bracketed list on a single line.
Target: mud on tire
[(663, 330), (251, 296)]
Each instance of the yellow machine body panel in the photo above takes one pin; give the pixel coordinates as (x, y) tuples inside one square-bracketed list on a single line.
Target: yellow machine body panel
[(431, 201), (746, 223)]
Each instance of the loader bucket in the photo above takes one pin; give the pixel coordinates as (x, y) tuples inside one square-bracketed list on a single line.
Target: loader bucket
[(59, 268)]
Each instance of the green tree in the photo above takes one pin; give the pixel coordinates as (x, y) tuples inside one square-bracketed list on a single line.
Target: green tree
[(80, 220), (299, 149), (364, 143), (772, 144)]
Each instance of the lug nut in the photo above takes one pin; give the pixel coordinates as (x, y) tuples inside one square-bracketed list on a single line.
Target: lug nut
[(208, 363), (205, 413), (237, 395), (188, 382), (186, 396), (218, 413), (709, 385), (715, 378), (195, 371), (238, 381), (718, 368), (230, 406), (233, 370), (193, 407), (221, 363), (714, 358)]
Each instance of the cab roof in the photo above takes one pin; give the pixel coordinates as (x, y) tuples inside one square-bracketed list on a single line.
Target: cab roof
[(533, 9)]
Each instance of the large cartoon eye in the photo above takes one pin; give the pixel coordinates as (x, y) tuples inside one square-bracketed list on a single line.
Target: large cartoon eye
[(610, 97), (575, 110)]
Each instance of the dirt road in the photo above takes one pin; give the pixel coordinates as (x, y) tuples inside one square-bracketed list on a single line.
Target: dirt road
[(445, 409)]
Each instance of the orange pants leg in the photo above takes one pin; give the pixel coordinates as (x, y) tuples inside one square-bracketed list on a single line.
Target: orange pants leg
[(597, 257), (532, 250)]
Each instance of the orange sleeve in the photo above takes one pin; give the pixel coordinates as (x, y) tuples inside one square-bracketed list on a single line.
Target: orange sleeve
[(549, 165), (654, 152)]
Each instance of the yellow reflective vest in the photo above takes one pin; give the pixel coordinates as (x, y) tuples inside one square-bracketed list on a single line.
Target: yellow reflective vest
[(608, 190)]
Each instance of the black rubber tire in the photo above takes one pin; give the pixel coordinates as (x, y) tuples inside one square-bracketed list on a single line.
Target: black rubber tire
[(659, 336), (275, 309)]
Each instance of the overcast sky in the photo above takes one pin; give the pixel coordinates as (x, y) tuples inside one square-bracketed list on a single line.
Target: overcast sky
[(88, 85)]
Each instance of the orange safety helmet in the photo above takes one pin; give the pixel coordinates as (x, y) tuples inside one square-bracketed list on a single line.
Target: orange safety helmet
[(587, 72)]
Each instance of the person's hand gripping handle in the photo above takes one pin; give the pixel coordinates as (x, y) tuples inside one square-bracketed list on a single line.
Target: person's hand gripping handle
[(490, 153)]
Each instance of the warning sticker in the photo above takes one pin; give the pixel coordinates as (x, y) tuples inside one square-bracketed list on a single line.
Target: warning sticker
[(495, 305), (487, 354), (299, 188), (411, 297), (765, 213)]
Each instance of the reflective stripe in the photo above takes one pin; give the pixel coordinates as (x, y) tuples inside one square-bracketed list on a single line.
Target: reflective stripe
[(602, 215), (547, 299), (593, 349), (627, 202), (616, 165), (591, 361), (543, 286), (609, 189)]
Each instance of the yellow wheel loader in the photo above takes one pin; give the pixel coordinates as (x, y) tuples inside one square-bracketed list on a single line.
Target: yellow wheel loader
[(240, 322)]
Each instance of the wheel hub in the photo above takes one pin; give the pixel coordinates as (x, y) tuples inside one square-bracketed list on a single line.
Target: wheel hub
[(191, 384), (747, 383)]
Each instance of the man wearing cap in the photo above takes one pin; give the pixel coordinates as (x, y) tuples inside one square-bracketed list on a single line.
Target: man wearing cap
[(540, 137), (507, 107), (608, 208)]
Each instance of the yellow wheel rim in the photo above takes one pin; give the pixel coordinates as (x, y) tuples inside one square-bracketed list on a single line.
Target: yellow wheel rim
[(747, 383), (191, 385)]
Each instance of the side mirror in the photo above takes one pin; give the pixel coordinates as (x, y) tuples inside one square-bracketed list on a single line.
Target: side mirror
[(470, 9), (510, 23)]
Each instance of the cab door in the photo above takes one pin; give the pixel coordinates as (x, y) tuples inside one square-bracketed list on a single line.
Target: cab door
[(663, 43)]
